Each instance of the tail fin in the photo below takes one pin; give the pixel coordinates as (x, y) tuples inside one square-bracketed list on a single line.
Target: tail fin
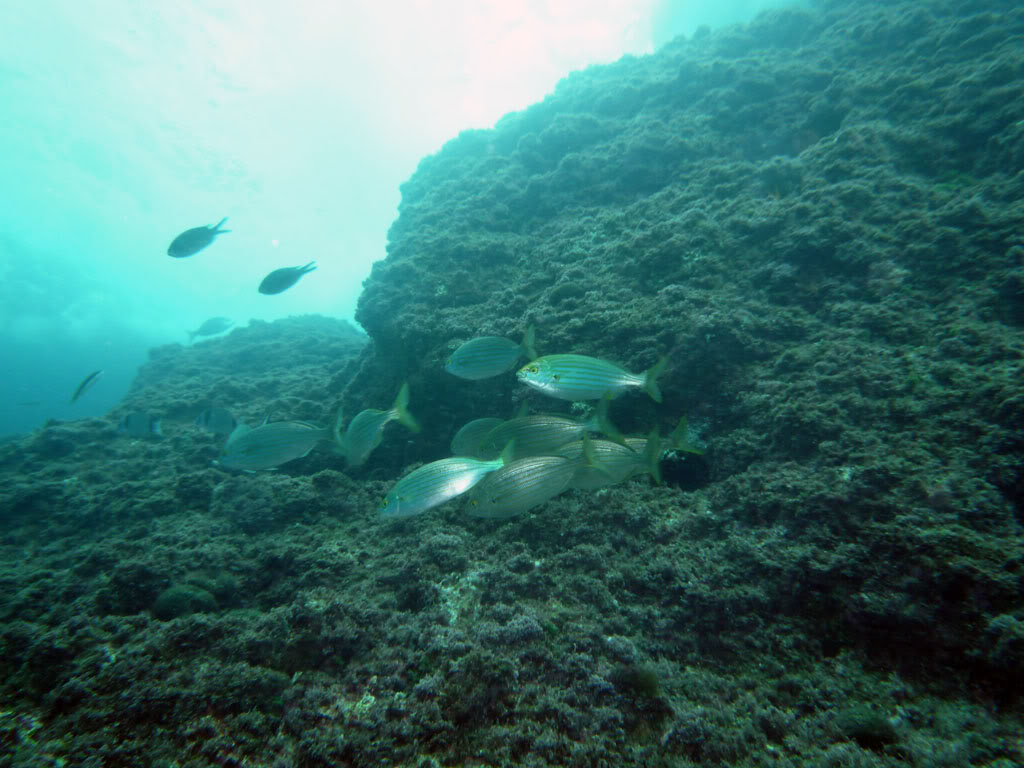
[(339, 436), (528, 342), (680, 438), (154, 427), (651, 461), (651, 379), (217, 229), (401, 409), (604, 424), (308, 267)]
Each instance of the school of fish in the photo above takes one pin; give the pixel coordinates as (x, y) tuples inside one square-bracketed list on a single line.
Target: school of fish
[(503, 466)]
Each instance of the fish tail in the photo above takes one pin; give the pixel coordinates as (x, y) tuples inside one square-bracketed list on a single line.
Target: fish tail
[(652, 455), (651, 379), (680, 438), (401, 409), (528, 342), (336, 432), (220, 224), (308, 267), (154, 427), (604, 423)]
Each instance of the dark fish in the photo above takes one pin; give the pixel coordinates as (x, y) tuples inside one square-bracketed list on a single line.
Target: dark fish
[(192, 241), (217, 420), (140, 424), (87, 382), (211, 327), (283, 279)]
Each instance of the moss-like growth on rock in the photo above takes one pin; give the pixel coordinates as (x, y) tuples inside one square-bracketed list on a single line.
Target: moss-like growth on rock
[(182, 600)]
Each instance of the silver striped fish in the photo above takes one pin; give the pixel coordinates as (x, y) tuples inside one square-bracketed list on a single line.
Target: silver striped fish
[(603, 463), (270, 445), (580, 377), (366, 430), (542, 433), (520, 485), (487, 356), (467, 440), (435, 483)]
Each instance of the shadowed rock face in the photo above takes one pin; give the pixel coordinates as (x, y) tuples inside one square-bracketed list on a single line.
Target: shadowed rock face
[(817, 218)]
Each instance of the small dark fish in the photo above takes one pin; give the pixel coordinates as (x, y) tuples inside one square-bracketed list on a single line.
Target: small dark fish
[(283, 279), (217, 420), (192, 241), (140, 424), (211, 327), (87, 382)]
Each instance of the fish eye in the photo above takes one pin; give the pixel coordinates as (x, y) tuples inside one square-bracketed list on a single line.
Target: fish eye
[(532, 368)]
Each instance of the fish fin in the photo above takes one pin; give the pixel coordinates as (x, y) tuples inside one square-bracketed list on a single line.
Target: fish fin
[(528, 341), (236, 433), (307, 267), (604, 423), (339, 436), (652, 455), (401, 409), (508, 453), (524, 410), (680, 438), (651, 379), (217, 229), (154, 427), (589, 457)]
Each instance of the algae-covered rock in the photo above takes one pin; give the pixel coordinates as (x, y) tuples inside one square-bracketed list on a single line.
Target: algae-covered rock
[(182, 600)]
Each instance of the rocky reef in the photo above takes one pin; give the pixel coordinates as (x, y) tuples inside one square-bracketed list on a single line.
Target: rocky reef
[(817, 218)]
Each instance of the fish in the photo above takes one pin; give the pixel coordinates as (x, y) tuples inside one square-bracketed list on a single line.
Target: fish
[(469, 437), (211, 327), (282, 279), (192, 241), (366, 430), (139, 424), (580, 377), (542, 433), (603, 463), (437, 482), (268, 446), (487, 356), (520, 485), (87, 382), (217, 420)]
